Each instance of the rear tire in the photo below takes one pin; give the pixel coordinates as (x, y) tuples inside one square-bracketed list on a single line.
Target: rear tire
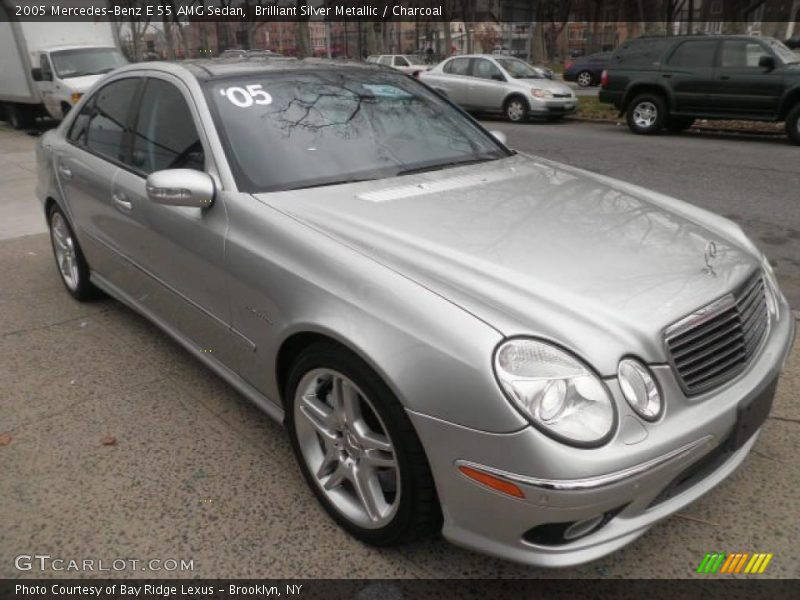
[(516, 109), (357, 449), (647, 114), (70, 261), (20, 116), (584, 79), (793, 125)]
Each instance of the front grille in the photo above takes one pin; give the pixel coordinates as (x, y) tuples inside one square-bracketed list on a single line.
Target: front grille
[(716, 343), (559, 95)]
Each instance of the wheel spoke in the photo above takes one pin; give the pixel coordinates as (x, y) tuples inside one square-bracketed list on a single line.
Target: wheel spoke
[(340, 473), (368, 490), (319, 415), (373, 441), (379, 460), (331, 457)]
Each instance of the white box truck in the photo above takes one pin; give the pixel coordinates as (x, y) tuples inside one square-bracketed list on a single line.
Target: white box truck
[(45, 67)]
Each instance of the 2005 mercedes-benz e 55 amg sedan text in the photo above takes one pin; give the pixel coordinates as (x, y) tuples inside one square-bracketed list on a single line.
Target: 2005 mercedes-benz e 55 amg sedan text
[(537, 361)]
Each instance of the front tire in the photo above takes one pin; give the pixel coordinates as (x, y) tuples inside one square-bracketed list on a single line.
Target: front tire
[(70, 261), (647, 114), (357, 448), (793, 125), (516, 109)]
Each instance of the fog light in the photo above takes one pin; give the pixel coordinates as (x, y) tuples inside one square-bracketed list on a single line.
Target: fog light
[(582, 528)]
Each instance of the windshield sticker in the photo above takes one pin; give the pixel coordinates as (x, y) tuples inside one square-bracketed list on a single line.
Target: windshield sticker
[(246, 96), (387, 91)]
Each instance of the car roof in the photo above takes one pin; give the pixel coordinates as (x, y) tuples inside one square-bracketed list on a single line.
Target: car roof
[(222, 67)]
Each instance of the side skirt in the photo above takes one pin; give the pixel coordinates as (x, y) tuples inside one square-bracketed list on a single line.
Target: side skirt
[(272, 409)]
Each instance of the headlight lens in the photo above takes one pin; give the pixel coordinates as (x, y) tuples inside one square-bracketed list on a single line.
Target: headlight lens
[(639, 388), (538, 93), (773, 292), (555, 391)]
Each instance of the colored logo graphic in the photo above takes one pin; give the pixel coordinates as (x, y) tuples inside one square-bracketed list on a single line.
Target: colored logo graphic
[(717, 563)]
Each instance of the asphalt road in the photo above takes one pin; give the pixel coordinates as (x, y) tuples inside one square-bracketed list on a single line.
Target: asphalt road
[(115, 443), (754, 180)]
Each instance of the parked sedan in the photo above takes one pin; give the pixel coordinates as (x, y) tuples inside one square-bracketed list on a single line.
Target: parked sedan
[(587, 70), (409, 64), (500, 84), (536, 361)]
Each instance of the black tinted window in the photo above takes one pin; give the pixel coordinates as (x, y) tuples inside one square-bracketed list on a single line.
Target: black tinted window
[(165, 136), (102, 124), (741, 53), (693, 55), (457, 66), (642, 53)]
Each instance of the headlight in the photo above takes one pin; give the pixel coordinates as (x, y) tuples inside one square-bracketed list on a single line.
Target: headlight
[(555, 391), (772, 291), (639, 388), (538, 93)]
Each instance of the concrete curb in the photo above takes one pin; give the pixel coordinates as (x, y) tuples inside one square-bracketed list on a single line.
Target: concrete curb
[(707, 128)]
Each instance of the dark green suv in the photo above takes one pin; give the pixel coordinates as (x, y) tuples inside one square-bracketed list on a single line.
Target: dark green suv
[(668, 82)]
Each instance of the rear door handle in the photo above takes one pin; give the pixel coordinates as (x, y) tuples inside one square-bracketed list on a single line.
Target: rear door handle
[(65, 171), (121, 202)]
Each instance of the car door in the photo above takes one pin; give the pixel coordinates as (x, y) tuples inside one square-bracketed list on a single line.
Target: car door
[(86, 167), (742, 87), (487, 85), (454, 80), (181, 250), (689, 73)]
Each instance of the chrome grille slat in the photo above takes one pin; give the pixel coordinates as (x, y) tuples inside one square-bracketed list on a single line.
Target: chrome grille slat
[(722, 342)]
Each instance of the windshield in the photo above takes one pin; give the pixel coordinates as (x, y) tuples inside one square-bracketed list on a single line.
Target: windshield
[(783, 52), (86, 61), (518, 69), (298, 129)]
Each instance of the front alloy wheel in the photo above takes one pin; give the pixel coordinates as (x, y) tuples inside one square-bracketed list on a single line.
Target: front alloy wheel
[(345, 445), (516, 110), (71, 263), (357, 448), (584, 79), (646, 114)]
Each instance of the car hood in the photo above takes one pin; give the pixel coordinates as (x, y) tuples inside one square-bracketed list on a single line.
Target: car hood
[(82, 84), (533, 247)]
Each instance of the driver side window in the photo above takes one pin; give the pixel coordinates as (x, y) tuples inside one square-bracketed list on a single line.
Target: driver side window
[(484, 69), (165, 136)]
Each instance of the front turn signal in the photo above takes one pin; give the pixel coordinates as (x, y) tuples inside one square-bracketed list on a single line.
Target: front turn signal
[(496, 483)]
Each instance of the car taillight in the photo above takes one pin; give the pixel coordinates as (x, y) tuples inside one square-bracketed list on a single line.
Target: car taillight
[(568, 65), (604, 79)]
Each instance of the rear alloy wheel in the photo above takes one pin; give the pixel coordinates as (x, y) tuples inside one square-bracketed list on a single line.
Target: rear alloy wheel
[(358, 450), (584, 79), (646, 114), (71, 264), (517, 110), (793, 125)]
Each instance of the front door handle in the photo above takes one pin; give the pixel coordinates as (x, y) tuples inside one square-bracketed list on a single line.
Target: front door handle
[(65, 171), (121, 202)]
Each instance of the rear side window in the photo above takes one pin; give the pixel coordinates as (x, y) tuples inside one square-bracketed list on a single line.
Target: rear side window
[(642, 53), (385, 60), (102, 125), (486, 70), (400, 61), (457, 66), (741, 53), (693, 54), (165, 136)]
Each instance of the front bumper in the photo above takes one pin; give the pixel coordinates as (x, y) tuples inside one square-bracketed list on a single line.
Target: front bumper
[(564, 106), (644, 474)]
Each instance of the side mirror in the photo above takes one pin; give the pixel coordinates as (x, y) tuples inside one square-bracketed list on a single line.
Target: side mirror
[(36, 73), (181, 187), (499, 136), (766, 62)]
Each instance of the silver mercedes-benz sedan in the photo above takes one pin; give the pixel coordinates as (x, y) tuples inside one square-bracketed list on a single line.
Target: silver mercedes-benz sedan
[(501, 84), (536, 361)]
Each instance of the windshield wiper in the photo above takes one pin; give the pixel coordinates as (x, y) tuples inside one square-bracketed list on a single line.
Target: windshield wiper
[(446, 165), (326, 183)]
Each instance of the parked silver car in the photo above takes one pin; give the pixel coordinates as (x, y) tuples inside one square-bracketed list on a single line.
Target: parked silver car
[(410, 64), (536, 361), (488, 83)]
